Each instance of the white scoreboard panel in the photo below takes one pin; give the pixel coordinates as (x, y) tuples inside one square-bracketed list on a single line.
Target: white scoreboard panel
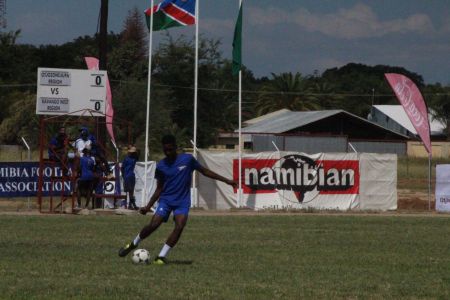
[(63, 91)]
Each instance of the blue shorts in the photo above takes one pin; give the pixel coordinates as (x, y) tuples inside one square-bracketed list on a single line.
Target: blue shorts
[(164, 209), (129, 184)]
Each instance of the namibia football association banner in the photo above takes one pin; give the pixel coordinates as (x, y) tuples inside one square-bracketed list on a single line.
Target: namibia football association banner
[(280, 180), (20, 179)]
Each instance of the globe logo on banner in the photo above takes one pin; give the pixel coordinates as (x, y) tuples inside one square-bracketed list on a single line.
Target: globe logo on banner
[(298, 178)]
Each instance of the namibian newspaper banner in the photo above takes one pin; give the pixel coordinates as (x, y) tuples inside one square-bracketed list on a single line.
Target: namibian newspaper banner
[(276, 180), (20, 179)]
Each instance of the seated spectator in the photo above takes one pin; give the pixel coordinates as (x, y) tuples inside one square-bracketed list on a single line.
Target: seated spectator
[(57, 146), (58, 149)]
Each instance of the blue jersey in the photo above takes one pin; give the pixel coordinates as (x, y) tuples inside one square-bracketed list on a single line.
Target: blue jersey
[(128, 166), (87, 168), (176, 177)]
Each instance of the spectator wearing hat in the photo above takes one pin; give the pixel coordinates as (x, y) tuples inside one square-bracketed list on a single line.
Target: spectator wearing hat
[(85, 139), (129, 177)]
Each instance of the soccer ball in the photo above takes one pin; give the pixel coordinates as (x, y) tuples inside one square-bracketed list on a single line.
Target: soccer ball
[(140, 256)]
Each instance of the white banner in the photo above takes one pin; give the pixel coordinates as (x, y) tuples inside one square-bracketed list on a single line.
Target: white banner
[(151, 182), (443, 188), (276, 180)]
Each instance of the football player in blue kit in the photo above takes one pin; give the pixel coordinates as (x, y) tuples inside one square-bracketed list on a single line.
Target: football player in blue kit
[(173, 175)]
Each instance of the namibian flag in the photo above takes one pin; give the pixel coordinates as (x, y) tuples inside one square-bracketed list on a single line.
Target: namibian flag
[(171, 13)]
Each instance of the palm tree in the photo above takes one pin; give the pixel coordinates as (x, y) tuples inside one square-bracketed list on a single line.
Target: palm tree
[(286, 90), (9, 38), (323, 92)]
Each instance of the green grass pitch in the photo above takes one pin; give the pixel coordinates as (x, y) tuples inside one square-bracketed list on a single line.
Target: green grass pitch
[(301, 256)]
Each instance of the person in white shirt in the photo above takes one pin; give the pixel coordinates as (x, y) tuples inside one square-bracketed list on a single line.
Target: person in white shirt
[(83, 141)]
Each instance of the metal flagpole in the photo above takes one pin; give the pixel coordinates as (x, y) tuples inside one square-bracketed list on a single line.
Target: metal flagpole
[(194, 178), (429, 181), (240, 132), (240, 140), (149, 77)]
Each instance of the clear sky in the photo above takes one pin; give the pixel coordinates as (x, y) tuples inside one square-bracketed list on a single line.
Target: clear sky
[(278, 35)]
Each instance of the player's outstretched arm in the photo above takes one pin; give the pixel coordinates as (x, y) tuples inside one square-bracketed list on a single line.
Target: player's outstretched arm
[(153, 199), (208, 173)]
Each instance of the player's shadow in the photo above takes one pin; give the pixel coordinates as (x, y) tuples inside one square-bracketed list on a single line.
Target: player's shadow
[(181, 262)]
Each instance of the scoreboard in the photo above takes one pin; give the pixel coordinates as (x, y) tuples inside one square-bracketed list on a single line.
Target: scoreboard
[(64, 91)]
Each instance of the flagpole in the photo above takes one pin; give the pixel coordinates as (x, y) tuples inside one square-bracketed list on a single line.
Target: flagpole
[(149, 77), (194, 178), (429, 181), (240, 140), (240, 132)]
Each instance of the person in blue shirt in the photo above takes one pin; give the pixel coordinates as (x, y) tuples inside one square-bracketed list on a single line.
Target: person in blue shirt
[(57, 146), (85, 183), (129, 178), (173, 175), (58, 150)]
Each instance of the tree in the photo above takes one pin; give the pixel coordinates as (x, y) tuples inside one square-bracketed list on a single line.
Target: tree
[(286, 90), (323, 92), (129, 59), (438, 100), (21, 119), (9, 38), (136, 32), (217, 109)]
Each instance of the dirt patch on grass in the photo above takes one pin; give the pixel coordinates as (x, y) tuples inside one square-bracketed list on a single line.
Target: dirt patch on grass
[(409, 202)]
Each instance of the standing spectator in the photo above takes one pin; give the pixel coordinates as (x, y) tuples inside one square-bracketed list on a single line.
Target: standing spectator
[(129, 177), (86, 177)]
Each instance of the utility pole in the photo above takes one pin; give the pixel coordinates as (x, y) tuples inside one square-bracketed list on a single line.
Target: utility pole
[(103, 35)]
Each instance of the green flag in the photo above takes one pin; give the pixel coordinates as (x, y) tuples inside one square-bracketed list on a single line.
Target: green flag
[(237, 44)]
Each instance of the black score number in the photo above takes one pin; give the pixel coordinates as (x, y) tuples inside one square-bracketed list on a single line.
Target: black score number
[(98, 80), (97, 105)]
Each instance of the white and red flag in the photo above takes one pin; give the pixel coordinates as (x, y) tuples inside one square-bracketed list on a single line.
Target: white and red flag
[(413, 103), (93, 64)]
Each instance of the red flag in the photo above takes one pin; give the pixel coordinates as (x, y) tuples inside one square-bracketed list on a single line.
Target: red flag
[(93, 64), (412, 101)]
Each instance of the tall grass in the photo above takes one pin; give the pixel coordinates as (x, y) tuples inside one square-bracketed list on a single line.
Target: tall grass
[(412, 173), (20, 155)]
